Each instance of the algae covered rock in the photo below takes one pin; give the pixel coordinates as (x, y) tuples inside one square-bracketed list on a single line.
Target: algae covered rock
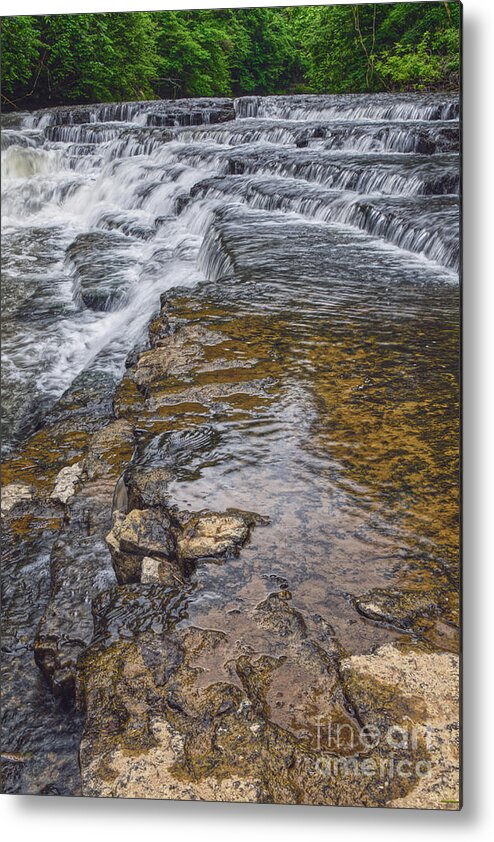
[(109, 449), (401, 608), (174, 356), (153, 729)]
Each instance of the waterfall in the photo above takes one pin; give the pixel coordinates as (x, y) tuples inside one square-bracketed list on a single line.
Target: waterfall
[(106, 206), (353, 106)]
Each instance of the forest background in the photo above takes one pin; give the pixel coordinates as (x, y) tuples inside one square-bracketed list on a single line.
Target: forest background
[(61, 59)]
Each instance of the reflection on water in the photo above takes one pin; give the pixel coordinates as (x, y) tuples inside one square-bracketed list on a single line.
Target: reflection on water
[(351, 449)]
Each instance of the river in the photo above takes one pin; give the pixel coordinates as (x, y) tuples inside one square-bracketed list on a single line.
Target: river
[(319, 236)]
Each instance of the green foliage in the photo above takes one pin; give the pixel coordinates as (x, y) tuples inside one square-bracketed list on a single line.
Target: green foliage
[(20, 52), (76, 52), (76, 58), (98, 57), (427, 48), (206, 53), (408, 66), (194, 50), (379, 46), (135, 59), (269, 59), (328, 38), (52, 59)]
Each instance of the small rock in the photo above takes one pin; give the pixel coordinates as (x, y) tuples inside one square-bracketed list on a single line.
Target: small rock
[(159, 571), (66, 483), (14, 493), (215, 534), (150, 570)]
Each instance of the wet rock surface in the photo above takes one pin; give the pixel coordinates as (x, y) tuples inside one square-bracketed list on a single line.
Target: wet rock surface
[(152, 732), (163, 112), (177, 538), (79, 571), (175, 709), (96, 288)]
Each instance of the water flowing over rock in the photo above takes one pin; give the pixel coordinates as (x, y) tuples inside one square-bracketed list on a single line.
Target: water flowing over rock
[(383, 164), (230, 490)]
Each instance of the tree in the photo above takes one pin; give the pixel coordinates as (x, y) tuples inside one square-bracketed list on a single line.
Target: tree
[(192, 59), (268, 57), (374, 46), (17, 64)]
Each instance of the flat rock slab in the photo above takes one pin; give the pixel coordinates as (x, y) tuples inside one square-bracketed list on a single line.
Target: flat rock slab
[(429, 681)]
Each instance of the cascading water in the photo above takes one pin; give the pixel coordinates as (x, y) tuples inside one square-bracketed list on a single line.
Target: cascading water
[(91, 201)]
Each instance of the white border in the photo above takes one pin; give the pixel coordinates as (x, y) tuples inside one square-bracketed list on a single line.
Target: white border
[(81, 819)]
